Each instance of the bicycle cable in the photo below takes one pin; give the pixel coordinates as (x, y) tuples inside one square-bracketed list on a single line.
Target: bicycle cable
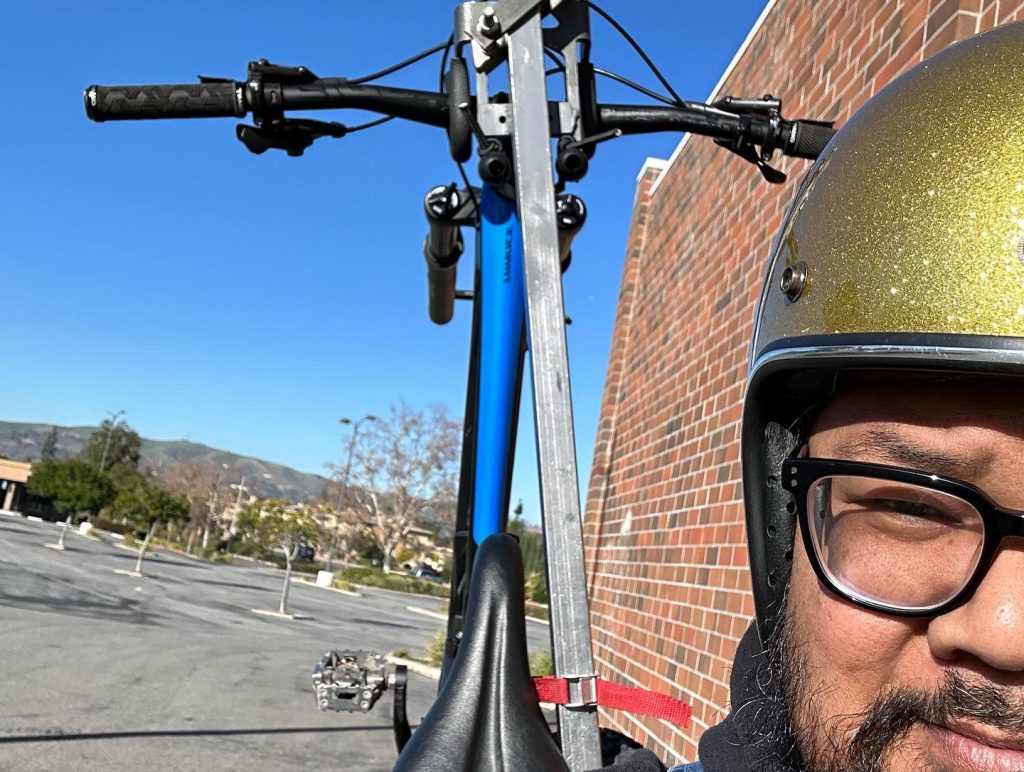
[(404, 63), (635, 86), (551, 54), (370, 124), (636, 47), (444, 61)]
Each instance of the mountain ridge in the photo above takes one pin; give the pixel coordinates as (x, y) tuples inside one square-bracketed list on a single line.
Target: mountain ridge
[(23, 441)]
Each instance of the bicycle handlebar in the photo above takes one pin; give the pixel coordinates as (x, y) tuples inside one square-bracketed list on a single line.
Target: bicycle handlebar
[(803, 139), (232, 99)]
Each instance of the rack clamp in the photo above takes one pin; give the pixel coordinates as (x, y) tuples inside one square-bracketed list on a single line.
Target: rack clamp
[(487, 24)]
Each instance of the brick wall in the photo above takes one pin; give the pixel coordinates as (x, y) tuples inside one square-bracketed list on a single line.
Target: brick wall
[(665, 547)]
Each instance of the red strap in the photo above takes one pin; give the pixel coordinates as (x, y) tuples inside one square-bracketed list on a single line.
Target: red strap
[(612, 695)]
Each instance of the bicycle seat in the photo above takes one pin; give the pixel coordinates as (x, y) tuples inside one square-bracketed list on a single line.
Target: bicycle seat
[(486, 717)]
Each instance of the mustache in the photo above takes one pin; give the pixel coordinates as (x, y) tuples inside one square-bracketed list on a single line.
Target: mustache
[(893, 715)]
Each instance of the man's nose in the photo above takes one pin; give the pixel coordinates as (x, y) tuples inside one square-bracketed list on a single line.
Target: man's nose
[(990, 626)]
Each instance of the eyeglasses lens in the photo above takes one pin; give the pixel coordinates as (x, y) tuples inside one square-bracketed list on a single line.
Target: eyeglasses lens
[(902, 545)]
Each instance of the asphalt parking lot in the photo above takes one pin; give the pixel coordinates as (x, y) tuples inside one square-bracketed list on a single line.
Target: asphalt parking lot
[(173, 671)]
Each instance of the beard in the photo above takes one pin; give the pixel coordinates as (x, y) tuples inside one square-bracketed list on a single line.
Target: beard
[(796, 735)]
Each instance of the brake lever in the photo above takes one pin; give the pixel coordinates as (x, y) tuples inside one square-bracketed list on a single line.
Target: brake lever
[(748, 152), (293, 135)]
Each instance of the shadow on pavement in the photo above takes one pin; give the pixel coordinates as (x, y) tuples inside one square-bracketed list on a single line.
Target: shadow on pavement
[(57, 735), (381, 623), (239, 585), (69, 599), (123, 554)]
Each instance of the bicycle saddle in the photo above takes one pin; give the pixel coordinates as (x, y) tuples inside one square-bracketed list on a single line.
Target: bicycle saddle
[(486, 717)]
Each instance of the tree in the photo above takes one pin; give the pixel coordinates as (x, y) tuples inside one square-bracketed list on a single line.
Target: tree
[(199, 482), (531, 544), (114, 448), (405, 470), (145, 505), (49, 450), (278, 525), (73, 486)]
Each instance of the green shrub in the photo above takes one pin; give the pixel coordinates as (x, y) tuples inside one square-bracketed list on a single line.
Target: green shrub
[(537, 612), (374, 577), (221, 557), (541, 663), (107, 525), (433, 652), (298, 566)]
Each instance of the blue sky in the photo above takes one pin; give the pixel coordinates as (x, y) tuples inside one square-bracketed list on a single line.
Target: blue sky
[(247, 302)]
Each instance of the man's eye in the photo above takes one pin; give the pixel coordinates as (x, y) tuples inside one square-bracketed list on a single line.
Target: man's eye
[(913, 508)]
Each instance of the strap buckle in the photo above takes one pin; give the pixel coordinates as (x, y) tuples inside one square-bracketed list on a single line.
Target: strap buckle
[(582, 690)]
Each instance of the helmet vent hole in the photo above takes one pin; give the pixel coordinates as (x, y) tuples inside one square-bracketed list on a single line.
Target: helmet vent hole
[(772, 481), (771, 532), (791, 507), (771, 580), (789, 555)]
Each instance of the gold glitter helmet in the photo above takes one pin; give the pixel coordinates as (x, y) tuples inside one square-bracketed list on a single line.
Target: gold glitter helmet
[(902, 250)]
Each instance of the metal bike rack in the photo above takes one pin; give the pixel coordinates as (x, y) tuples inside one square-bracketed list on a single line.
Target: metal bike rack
[(511, 30)]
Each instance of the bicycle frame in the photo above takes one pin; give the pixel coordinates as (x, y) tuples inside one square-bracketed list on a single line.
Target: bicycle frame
[(494, 388)]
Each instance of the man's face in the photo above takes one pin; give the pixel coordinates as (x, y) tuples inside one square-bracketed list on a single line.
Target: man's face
[(940, 693)]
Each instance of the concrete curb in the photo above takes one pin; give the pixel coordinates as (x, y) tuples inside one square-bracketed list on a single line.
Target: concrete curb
[(429, 671), (438, 598), (55, 546), (297, 580), (136, 574), (443, 618), (11, 513), (417, 667), (427, 612), (133, 549), (278, 614)]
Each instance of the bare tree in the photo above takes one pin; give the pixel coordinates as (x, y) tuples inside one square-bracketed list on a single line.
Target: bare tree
[(197, 481), (405, 469)]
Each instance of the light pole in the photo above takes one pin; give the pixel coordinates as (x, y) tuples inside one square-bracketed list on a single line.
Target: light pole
[(238, 501), (211, 517), (343, 490), (240, 487), (114, 418)]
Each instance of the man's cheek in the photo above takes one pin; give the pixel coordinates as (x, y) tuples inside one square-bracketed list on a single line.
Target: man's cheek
[(853, 654)]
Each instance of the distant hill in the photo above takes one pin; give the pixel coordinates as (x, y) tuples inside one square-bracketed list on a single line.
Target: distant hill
[(24, 442)]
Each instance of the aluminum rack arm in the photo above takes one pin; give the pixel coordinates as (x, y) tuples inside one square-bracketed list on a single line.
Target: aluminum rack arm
[(556, 452)]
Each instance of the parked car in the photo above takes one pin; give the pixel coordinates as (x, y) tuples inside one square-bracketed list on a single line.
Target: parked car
[(427, 573), (305, 552)]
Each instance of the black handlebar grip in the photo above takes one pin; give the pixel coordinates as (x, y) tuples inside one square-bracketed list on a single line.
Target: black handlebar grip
[(188, 100), (810, 139)]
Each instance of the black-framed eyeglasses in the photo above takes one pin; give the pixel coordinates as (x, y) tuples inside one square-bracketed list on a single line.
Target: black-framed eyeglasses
[(896, 540)]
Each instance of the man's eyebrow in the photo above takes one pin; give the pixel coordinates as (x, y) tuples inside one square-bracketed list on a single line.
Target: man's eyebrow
[(893, 448)]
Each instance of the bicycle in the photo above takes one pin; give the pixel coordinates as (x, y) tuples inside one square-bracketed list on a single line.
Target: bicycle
[(525, 223)]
